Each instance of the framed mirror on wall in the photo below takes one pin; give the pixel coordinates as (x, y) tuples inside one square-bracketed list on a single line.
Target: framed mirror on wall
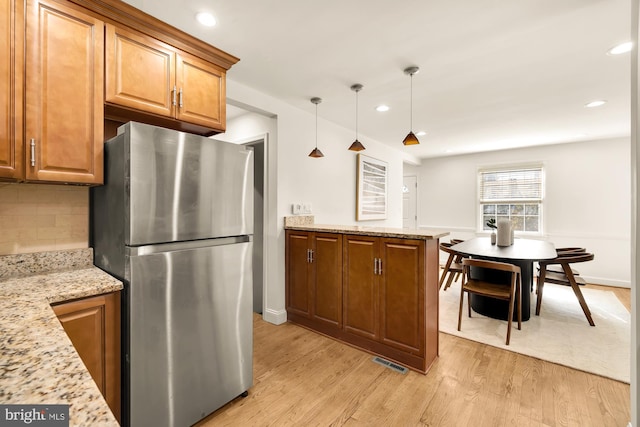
[(371, 202)]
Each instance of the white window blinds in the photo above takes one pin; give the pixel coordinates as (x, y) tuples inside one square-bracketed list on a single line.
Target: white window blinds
[(514, 185)]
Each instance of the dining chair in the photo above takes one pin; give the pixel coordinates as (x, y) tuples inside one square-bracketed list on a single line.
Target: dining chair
[(563, 252), (453, 267), (510, 292), (567, 277)]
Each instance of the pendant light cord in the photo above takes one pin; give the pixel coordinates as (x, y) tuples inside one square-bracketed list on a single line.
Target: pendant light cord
[(411, 105), (316, 126), (356, 115)]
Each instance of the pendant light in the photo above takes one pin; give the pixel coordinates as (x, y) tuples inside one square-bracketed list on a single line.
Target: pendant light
[(411, 139), (357, 145), (315, 152)]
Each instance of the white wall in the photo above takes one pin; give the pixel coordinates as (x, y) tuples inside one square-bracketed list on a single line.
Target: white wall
[(587, 199), (635, 214), (328, 183)]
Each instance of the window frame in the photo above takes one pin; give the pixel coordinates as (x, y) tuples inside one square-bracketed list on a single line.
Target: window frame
[(505, 168)]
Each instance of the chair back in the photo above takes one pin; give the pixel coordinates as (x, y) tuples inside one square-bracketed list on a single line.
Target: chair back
[(568, 258), (570, 249), (494, 265), (446, 247)]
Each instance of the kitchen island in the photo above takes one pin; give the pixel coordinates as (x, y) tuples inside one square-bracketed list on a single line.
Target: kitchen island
[(371, 287), (39, 364)]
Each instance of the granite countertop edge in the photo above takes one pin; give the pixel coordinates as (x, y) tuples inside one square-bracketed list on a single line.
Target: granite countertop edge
[(402, 233), (39, 364)]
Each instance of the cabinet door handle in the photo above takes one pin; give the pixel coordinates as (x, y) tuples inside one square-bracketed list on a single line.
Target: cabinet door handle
[(311, 253), (180, 98), (173, 96), (33, 151), (308, 255), (380, 266), (375, 266)]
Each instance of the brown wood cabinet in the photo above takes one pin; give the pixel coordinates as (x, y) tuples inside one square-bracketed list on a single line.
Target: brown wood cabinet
[(52, 84), (11, 88), (384, 292), (145, 74), (93, 326), (388, 297), (63, 139), (314, 279)]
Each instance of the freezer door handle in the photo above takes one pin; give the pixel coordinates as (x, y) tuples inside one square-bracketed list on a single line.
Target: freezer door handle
[(193, 244)]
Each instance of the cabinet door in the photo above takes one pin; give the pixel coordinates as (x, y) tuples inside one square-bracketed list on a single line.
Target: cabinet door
[(402, 294), (11, 72), (327, 281), (201, 92), (298, 273), (360, 286), (64, 94), (93, 326), (140, 72)]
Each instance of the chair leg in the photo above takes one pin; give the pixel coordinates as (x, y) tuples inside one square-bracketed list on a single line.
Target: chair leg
[(450, 281), (446, 270), (511, 301), (578, 292), (460, 309), (519, 297), (469, 303), (540, 288)]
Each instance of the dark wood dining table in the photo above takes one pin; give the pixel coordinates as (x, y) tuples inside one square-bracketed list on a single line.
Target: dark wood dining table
[(523, 253)]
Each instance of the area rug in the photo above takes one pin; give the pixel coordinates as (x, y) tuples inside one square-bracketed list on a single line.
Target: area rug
[(561, 334)]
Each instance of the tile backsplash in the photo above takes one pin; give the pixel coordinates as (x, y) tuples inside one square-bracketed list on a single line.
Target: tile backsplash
[(38, 217)]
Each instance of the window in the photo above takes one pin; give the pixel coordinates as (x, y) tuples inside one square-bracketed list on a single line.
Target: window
[(515, 194)]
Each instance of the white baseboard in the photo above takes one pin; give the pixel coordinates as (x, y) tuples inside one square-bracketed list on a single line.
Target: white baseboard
[(277, 317), (607, 282)]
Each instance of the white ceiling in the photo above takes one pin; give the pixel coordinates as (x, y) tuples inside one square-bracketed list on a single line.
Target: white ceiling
[(493, 73)]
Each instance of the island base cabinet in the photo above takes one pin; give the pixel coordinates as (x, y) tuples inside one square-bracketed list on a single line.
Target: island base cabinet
[(388, 297), (314, 279), (93, 326)]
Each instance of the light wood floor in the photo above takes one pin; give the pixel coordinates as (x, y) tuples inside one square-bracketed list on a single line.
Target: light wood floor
[(304, 379)]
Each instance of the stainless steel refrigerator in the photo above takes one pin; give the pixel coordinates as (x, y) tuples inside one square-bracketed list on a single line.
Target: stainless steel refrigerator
[(174, 221)]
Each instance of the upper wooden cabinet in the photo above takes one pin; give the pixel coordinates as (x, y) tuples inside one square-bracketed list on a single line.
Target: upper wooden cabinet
[(64, 116), (11, 86), (52, 84), (147, 75)]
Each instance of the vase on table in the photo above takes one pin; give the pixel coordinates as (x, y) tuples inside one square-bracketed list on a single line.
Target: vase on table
[(504, 237), (493, 237)]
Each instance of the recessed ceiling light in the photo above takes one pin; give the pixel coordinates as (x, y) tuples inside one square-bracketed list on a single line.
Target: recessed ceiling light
[(382, 108), (597, 103), (421, 133), (206, 19), (621, 48)]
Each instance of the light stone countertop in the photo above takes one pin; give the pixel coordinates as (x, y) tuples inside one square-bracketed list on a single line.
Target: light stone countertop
[(38, 363), (402, 233)]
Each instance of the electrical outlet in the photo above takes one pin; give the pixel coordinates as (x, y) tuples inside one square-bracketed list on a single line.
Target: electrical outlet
[(296, 208), (306, 208)]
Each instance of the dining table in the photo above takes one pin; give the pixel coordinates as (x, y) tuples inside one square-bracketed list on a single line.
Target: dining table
[(523, 253)]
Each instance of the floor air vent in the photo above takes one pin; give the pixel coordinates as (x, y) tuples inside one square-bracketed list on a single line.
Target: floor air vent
[(390, 365)]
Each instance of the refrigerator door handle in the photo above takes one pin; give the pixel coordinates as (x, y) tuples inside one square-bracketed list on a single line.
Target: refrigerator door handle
[(192, 244)]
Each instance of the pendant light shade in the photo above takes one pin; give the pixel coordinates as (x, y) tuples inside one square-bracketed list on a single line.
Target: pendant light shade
[(411, 138), (356, 145), (316, 153)]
